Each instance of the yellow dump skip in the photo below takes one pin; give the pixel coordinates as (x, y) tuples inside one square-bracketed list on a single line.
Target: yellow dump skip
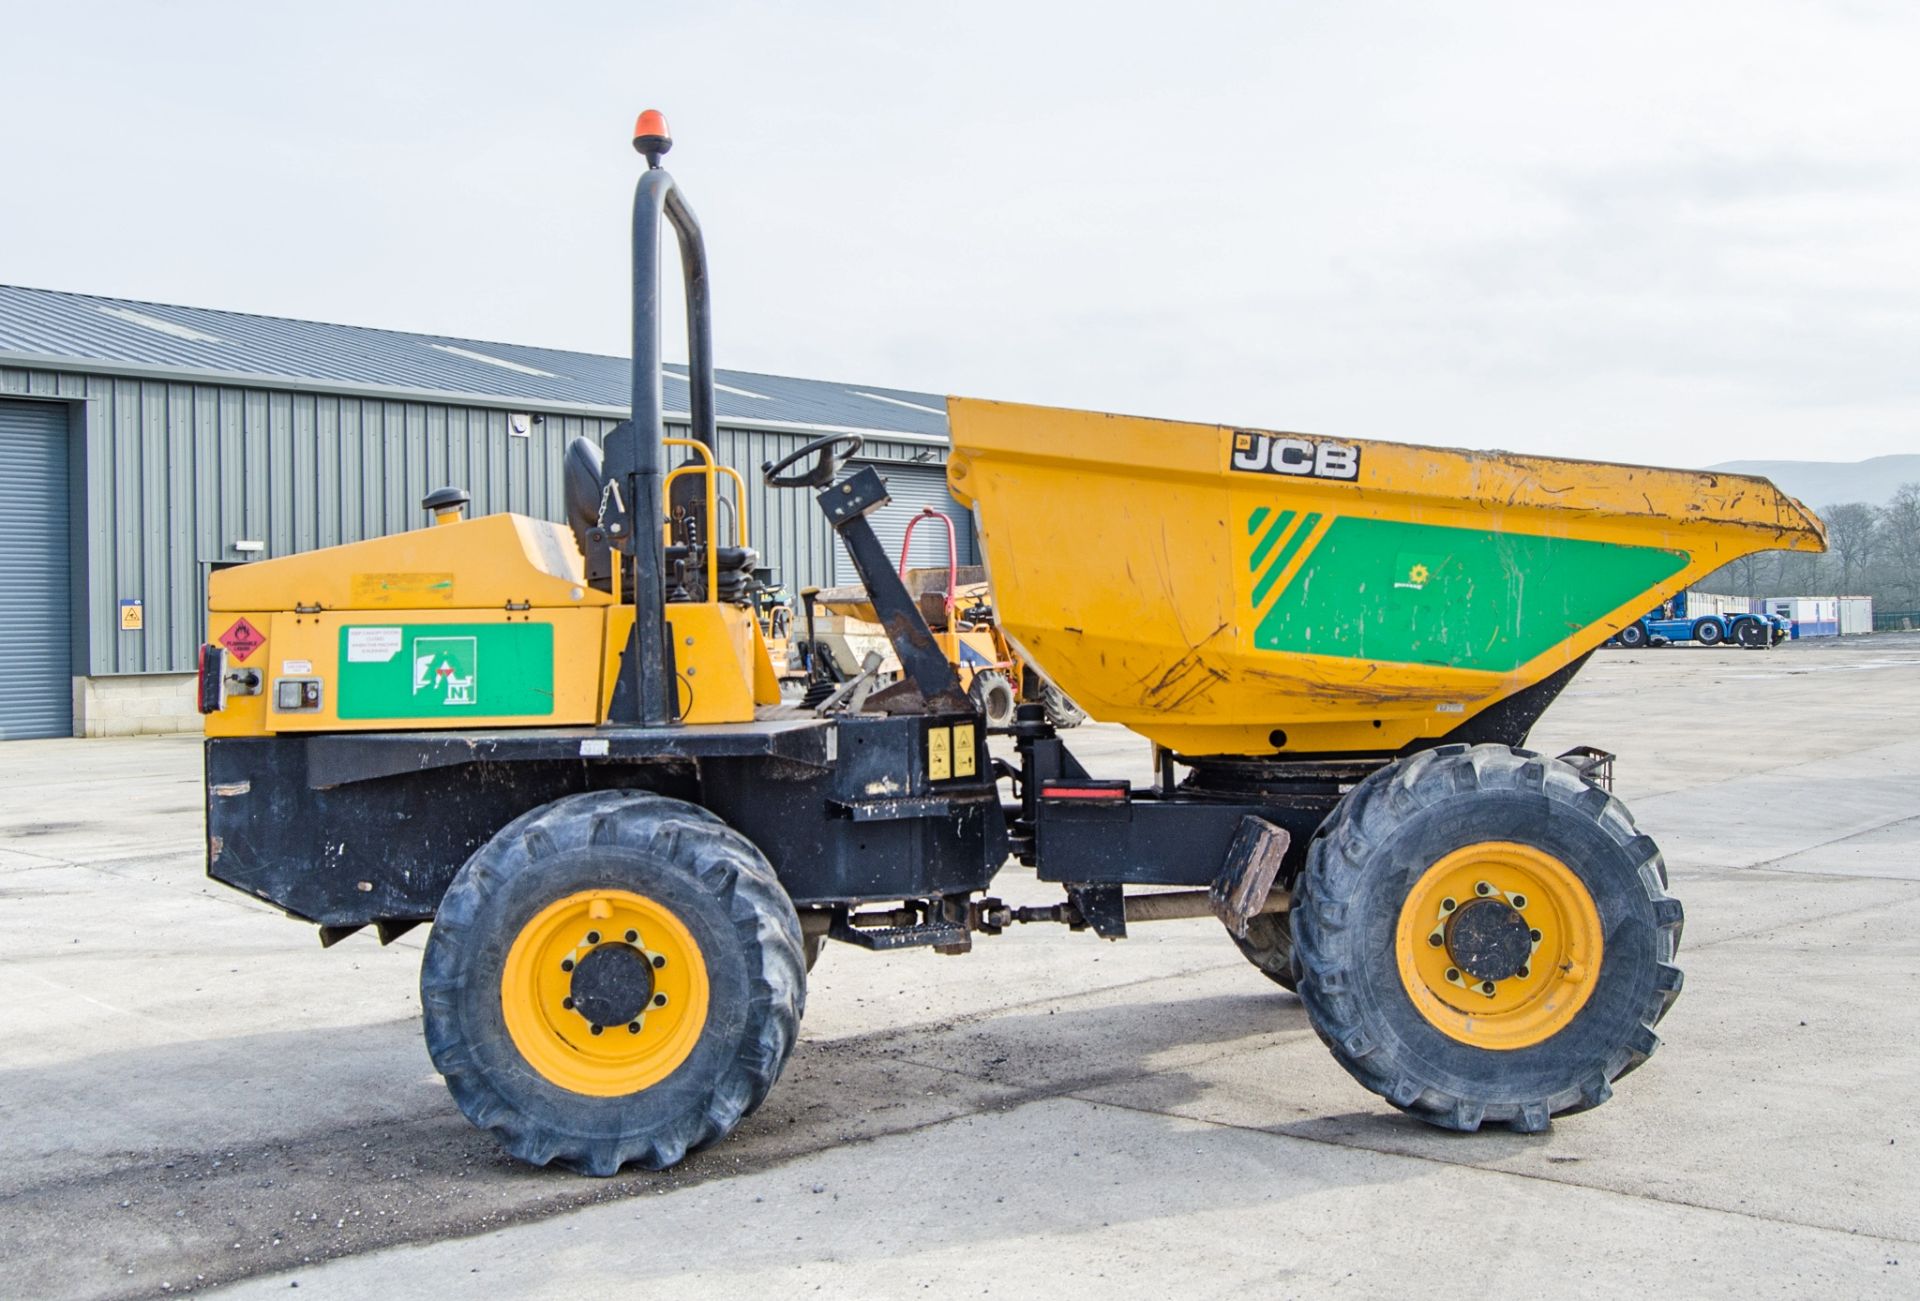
[(1233, 591)]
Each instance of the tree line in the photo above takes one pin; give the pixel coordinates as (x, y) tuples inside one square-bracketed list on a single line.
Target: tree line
[(1871, 551)]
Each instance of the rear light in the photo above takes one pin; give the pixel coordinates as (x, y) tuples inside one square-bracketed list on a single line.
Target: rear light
[(213, 679), (1100, 791)]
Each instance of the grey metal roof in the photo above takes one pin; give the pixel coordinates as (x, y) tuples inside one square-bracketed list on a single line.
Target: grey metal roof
[(116, 335)]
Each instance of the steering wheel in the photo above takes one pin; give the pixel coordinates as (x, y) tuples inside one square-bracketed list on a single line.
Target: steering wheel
[(829, 453)]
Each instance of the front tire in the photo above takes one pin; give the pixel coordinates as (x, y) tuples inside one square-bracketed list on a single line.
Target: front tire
[(1633, 636), (615, 977), (1482, 936)]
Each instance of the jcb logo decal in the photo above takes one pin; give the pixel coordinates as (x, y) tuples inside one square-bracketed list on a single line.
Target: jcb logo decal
[(1314, 458)]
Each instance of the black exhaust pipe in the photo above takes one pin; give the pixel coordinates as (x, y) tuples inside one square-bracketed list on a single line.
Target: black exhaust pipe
[(635, 455)]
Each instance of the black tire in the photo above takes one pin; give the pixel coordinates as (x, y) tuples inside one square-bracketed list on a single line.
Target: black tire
[(686, 861), (1707, 632), (1633, 636), (1366, 859), (992, 695), (1752, 634), (1062, 711), (1269, 946)]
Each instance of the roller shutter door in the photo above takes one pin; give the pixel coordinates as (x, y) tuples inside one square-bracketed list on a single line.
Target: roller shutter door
[(36, 637), (913, 488)]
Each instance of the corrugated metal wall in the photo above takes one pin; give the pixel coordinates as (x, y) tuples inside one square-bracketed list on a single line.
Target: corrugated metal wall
[(787, 527), (178, 472), (915, 488)]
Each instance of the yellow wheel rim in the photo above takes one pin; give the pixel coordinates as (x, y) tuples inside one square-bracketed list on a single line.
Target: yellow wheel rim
[(614, 955), (1499, 945)]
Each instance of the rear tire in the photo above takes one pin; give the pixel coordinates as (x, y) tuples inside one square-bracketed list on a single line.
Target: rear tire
[(689, 906), (1707, 632), (1269, 946), (1633, 636), (1555, 1031)]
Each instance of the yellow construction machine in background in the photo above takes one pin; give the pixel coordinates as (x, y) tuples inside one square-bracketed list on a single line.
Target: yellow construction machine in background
[(842, 632)]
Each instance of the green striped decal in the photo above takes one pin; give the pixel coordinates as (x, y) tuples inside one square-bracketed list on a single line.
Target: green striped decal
[(1294, 532), (1427, 594)]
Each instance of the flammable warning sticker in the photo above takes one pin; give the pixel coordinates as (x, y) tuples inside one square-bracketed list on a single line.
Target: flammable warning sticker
[(446, 670), (242, 640)]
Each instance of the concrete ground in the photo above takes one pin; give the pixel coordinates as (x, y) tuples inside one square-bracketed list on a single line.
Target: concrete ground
[(192, 1093)]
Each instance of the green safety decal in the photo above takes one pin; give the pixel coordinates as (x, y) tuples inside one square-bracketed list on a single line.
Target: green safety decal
[(1427, 594), (446, 670)]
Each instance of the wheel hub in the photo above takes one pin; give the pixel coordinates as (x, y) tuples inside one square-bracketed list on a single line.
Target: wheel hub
[(604, 992), (612, 984), (1499, 944), (1489, 939)]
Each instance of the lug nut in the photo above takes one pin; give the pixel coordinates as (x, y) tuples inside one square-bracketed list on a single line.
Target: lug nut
[(598, 1028), (658, 962), (659, 1000), (1483, 888), (1448, 905), (1519, 901), (633, 1027), (632, 936), (1524, 972), (566, 964), (593, 937), (1453, 973), (1436, 939), (567, 1003), (1534, 935), (1486, 987)]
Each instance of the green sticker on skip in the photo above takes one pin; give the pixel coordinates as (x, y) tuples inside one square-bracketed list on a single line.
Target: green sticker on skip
[(446, 670)]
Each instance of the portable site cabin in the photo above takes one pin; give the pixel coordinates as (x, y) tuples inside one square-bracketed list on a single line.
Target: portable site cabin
[(1856, 615), (1811, 616)]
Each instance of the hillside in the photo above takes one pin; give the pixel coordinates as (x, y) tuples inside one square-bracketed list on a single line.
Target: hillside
[(1826, 483)]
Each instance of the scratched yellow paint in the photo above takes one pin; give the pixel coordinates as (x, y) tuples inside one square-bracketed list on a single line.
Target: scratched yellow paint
[(474, 564), (1118, 553), (371, 591)]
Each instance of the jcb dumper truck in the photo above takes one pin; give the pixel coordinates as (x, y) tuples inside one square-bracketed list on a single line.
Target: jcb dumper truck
[(563, 746)]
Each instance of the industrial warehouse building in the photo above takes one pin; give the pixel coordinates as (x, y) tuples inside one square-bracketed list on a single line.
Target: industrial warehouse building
[(143, 446)]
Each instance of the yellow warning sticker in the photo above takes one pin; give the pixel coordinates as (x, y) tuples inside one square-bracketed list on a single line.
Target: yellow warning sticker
[(965, 764)]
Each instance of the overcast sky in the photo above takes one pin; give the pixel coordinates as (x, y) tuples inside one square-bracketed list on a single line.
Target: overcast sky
[(1678, 233)]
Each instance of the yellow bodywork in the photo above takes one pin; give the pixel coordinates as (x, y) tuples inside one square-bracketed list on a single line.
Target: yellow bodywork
[(1229, 591), (487, 622)]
